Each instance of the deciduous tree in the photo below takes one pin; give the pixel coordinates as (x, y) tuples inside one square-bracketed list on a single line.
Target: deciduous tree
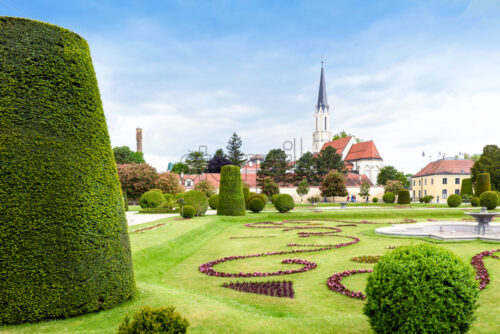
[(124, 155), (333, 184)]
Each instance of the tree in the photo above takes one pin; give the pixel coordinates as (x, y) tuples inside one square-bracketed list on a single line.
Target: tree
[(169, 183), (303, 188), (274, 166), (124, 155), (343, 134), (136, 179), (219, 159), (333, 184), (269, 187), (489, 162), (179, 168), (196, 162), (233, 150), (393, 186), (365, 189), (306, 168), (328, 160), (390, 173), (206, 187), (474, 157)]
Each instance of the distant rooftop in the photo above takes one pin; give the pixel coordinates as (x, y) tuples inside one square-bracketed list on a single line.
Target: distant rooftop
[(447, 166)]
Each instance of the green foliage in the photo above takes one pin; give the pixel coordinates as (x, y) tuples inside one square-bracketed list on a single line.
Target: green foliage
[(168, 196), (274, 198), (231, 198), (426, 199), (124, 155), (403, 196), (454, 201), (365, 189), (284, 203), (375, 199), (421, 289), (256, 204), (151, 199), (263, 197), (466, 198), (269, 187), (179, 168), (389, 197), (162, 320), (343, 134), (188, 211), (213, 201), (482, 184), (136, 179), (303, 188), (333, 184), (393, 186), (329, 160), (169, 183), (197, 164), (246, 194), (475, 201), (234, 152), (125, 201), (306, 168), (489, 199), (206, 187), (489, 162), (197, 200), (390, 173), (466, 187), (274, 167), (64, 245)]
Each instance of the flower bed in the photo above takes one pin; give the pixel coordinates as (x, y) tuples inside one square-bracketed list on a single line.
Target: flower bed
[(273, 289), (482, 274), (152, 227), (334, 283)]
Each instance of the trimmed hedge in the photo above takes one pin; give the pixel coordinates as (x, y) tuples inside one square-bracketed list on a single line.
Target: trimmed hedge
[(162, 320), (482, 184), (454, 201), (169, 196), (188, 211), (231, 198), (389, 197), (64, 245), (421, 289), (246, 194), (213, 201), (466, 187), (263, 197), (274, 197), (256, 204), (475, 201), (404, 196), (284, 203), (151, 199), (489, 200), (197, 200)]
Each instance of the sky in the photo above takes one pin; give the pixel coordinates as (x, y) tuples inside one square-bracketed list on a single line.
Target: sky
[(414, 76)]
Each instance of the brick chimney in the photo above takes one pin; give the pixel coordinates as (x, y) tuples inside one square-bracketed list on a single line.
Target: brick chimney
[(139, 139)]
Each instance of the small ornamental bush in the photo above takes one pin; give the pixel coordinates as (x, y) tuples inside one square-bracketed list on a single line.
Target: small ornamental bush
[(284, 203), (475, 201), (197, 200), (421, 289), (427, 199), (256, 204), (466, 198), (274, 197), (151, 199), (403, 196), (483, 184), (169, 196), (187, 211), (489, 200), (454, 201), (389, 197), (162, 320), (231, 198), (213, 201), (375, 199), (263, 197)]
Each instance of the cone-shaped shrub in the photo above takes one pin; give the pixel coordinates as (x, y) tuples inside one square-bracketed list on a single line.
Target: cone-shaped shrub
[(482, 184), (64, 246), (231, 198), (403, 196), (466, 188)]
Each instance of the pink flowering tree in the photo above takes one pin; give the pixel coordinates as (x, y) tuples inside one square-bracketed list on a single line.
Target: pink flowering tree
[(136, 179), (169, 183)]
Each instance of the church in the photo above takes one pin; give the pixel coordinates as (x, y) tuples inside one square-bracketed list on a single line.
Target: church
[(360, 158)]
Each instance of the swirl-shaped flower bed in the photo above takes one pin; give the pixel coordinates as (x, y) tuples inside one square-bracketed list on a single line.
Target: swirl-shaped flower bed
[(273, 289), (482, 274), (334, 283)]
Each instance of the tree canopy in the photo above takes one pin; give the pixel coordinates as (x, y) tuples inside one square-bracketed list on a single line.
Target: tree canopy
[(390, 173), (179, 168), (124, 155), (333, 184), (274, 166), (328, 160), (343, 134), (196, 162), (489, 162), (218, 160), (234, 152)]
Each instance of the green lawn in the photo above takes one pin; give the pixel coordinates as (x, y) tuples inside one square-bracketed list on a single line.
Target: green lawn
[(166, 264)]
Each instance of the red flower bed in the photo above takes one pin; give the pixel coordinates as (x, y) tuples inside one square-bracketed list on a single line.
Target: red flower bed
[(152, 227), (482, 274), (334, 283), (273, 289)]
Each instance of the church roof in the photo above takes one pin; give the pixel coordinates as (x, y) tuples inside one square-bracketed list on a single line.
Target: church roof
[(322, 100), (356, 180), (446, 167), (364, 150), (338, 144)]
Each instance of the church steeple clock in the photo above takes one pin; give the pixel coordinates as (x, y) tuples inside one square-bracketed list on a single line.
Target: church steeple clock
[(322, 133)]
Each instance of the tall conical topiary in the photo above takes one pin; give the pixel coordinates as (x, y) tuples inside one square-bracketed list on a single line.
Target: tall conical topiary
[(64, 245), (466, 188), (482, 184), (231, 198)]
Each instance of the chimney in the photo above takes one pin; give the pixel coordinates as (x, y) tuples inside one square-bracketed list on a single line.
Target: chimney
[(139, 139)]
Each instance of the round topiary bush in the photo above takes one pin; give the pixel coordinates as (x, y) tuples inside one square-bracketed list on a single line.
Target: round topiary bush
[(404, 196), (284, 203), (231, 198), (489, 200), (274, 197), (475, 201), (454, 201), (421, 289), (213, 201), (264, 197), (256, 204), (187, 211), (197, 200), (389, 197), (375, 199), (483, 183), (64, 245), (151, 199), (162, 320)]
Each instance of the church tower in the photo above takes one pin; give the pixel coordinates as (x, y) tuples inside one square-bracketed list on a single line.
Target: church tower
[(322, 133)]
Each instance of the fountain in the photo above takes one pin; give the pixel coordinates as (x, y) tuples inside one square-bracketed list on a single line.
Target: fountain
[(450, 230)]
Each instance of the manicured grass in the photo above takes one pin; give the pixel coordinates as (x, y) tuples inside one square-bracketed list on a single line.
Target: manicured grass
[(166, 262)]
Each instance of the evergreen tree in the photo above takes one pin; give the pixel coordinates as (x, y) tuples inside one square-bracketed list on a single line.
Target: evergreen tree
[(219, 153), (196, 162), (306, 168), (234, 153), (489, 162), (329, 160), (274, 166), (269, 187), (179, 168)]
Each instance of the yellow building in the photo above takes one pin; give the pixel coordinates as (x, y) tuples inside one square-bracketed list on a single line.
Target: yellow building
[(440, 179)]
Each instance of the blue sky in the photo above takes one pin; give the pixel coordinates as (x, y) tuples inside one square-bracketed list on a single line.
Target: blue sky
[(411, 75)]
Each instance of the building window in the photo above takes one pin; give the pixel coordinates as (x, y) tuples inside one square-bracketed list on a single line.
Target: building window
[(419, 182), (457, 180), (414, 186), (445, 194), (432, 181), (189, 183), (425, 182), (413, 192), (425, 192), (445, 181), (457, 191), (419, 194)]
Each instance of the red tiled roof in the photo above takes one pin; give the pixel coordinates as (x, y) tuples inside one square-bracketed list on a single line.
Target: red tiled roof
[(364, 150), (355, 180), (446, 167), (214, 178), (338, 144)]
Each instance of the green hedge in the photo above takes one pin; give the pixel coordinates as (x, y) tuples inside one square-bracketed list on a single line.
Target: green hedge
[(421, 289), (64, 245), (404, 196), (158, 321), (466, 188), (482, 184), (197, 200), (274, 198), (454, 201), (389, 197), (284, 203), (213, 201), (231, 198), (151, 199), (246, 194), (475, 201), (489, 199)]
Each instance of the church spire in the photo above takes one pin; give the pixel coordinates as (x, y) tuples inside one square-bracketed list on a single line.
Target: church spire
[(322, 100)]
